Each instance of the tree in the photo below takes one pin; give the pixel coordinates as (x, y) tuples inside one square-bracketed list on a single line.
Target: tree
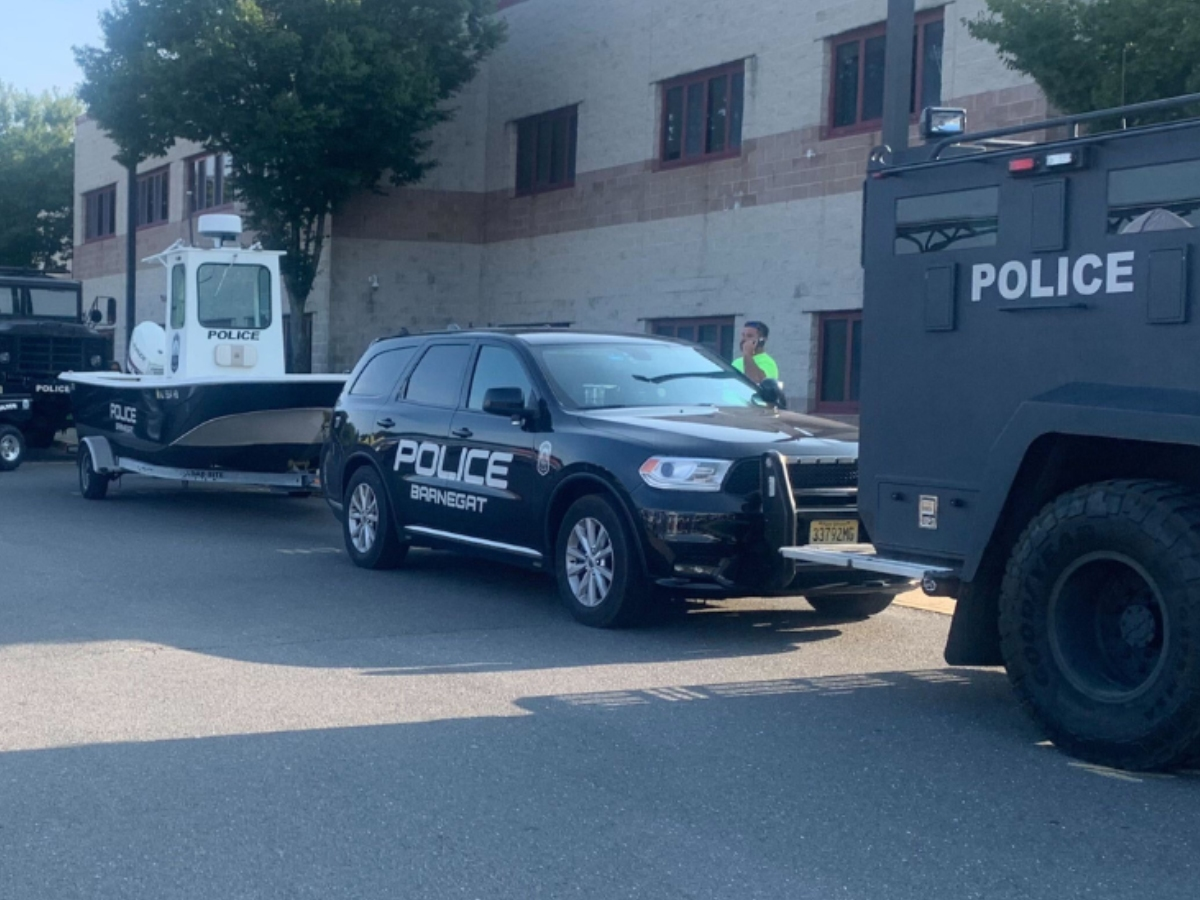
[(314, 100), (1096, 54), (121, 90), (37, 177)]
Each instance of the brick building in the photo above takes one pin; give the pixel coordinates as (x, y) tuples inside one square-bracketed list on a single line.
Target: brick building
[(675, 166)]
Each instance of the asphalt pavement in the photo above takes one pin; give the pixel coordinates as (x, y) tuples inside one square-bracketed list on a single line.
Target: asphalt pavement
[(200, 697)]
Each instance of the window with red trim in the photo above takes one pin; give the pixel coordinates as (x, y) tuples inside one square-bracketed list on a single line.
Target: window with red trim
[(839, 362), (702, 115), (546, 151), (857, 73), (713, 332), (100, 213), (208, 181), (153, 201)]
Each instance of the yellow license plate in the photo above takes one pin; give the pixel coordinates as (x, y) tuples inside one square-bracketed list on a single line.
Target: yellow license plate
[(833, 531)]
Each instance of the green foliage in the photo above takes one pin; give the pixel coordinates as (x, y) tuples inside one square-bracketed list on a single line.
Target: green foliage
[(37, 175), (316, 100), (1097, 54)]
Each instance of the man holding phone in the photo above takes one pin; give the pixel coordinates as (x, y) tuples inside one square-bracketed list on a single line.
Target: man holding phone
[(755, 363)]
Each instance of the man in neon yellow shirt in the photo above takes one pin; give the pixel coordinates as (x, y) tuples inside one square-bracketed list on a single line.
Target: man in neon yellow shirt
[(754, 362)]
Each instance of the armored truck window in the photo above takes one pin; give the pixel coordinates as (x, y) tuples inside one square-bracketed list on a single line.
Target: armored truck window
[(956, 220), (382, 373), (54, 304), (439, 375), (497, 368), (1154, 198)]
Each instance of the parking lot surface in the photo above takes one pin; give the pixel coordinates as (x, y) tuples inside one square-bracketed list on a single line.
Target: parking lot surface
[(201, 697)]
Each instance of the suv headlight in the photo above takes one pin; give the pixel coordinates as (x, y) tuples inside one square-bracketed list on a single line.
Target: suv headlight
[(681, 473)]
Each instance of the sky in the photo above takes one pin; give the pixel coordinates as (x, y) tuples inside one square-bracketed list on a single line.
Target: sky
[(36, 37)]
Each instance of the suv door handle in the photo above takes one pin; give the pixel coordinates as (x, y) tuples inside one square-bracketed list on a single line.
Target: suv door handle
[(385, 423), (462, 432)]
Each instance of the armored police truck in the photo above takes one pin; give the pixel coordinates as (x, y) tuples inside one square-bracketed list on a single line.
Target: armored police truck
[(42, 334), (1031, 411)]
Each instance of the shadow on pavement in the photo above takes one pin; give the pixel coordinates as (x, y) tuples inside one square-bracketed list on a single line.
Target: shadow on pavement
[(880, 787)]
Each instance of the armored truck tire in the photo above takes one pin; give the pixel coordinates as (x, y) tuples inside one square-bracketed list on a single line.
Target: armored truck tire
[(371, 537), (92, 484), (12, 448), (1100, 623), (597, 568), (852, 606)]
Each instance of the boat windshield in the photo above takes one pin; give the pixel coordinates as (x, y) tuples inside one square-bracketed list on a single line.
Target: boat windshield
[(642, 373), (233, 295)]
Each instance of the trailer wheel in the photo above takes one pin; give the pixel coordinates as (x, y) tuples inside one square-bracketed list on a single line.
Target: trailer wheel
[(851, 606), (12, 448), (92, 484), (367, 527), (1100, 623)]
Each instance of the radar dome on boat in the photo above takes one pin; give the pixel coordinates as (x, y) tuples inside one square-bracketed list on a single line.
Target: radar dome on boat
[(220, 226), (147, 349)]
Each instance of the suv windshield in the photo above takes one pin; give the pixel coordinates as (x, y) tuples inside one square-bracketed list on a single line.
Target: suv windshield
[(641, 373)]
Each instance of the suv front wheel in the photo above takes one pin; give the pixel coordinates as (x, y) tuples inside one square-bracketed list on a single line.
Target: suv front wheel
[(599, 576), (367, 526)]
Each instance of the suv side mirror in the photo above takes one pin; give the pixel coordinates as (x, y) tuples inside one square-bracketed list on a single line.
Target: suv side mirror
[(111, 318), (772, 392), (504, 401)]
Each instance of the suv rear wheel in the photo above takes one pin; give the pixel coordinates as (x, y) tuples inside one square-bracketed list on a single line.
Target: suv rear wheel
[(367, 525), (599, 576)]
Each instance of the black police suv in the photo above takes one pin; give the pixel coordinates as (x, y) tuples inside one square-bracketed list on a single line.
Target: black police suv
[(630, 466)]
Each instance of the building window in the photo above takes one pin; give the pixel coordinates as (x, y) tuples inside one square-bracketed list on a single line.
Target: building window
[(839, 362), (153, 193), (714, 333), (208, 181), (546, 151), (702, 115), (100, 213), (857, 75)]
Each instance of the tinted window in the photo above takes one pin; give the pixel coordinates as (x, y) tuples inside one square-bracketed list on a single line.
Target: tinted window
[(954, 220), (497, 368), (1154, 198), (382, 372), (438, 376)]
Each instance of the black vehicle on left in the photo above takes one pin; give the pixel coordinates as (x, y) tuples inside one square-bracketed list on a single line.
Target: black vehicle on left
[(629, 466), (43, 333), (15, 410)]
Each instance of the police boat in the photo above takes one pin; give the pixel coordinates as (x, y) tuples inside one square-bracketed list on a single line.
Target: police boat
[(207, 398)]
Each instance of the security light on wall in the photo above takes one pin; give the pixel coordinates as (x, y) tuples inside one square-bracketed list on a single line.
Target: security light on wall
[(373, 281)]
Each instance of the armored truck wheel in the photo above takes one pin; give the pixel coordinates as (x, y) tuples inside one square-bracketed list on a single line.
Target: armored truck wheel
[(596, 565), (12, 448), (1100, 622), (92, 484), (854, 606), (367, 526)]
